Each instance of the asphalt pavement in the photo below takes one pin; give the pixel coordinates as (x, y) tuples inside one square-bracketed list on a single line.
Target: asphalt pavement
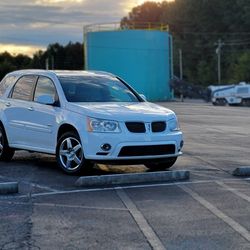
[(209, 211)]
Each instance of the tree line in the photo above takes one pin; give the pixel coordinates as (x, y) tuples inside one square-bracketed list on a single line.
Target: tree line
[(56, 56), (197, 26)]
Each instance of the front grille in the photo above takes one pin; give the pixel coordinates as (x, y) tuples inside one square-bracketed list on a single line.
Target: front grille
[(158, 126), (147, 150), (136, 127)]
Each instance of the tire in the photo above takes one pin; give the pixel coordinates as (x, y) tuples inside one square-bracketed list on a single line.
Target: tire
[(220, 102), (164, 165), (245, 102), (70, 155), (6, 153)]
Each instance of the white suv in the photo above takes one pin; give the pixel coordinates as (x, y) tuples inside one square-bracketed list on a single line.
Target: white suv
[(84, 117)]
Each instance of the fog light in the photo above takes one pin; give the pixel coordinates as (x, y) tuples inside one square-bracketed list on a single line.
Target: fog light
[(106, 147), (181, 144)]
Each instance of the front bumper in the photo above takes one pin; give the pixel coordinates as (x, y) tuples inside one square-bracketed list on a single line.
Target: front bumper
[(142, 144)]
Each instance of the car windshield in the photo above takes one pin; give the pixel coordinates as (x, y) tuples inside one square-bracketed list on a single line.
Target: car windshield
[(96, 89)]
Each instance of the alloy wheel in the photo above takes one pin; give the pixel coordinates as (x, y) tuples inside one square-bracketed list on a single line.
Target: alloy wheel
[(71, 153)]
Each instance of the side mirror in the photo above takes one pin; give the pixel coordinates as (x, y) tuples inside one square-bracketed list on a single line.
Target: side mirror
[(45, 99), (143, 97)]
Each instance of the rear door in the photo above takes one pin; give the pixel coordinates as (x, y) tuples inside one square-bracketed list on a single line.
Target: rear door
[(17, 110)]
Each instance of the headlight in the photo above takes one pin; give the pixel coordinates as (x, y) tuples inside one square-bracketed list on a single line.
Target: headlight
[(103, 126), (173, 125)]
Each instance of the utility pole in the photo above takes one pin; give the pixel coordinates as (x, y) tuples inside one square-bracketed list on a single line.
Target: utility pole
[(218, 52), (181, 71), (47, 63), (180, 64), (52, 62)]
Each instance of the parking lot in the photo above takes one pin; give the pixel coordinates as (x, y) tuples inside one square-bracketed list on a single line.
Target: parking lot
[(209, 211)]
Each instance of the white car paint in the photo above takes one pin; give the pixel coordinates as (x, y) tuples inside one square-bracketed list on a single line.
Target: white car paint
[(34, 126)]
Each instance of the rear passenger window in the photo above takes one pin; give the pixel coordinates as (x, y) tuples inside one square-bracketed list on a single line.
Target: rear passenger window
[(24, 87), (6, 83)]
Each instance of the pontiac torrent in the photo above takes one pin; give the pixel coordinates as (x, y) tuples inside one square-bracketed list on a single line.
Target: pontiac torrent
[(85, 117)]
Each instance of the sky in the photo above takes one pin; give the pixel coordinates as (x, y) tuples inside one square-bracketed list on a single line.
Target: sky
[(29, 25)]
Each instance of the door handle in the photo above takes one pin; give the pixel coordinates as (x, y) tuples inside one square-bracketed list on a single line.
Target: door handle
[(31, 109), (7, 104)]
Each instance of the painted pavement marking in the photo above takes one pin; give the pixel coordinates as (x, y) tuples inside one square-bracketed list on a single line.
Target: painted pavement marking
[(234, 191), (146, 229), (228, 220)]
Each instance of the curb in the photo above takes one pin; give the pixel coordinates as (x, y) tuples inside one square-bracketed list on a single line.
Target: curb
[(242, 171), (8, 188), (120, 179)]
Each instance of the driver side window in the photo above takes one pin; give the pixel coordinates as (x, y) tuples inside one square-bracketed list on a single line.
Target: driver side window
[(45, 86)]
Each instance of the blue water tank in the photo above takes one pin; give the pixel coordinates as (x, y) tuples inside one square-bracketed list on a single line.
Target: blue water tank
[(141, 57)]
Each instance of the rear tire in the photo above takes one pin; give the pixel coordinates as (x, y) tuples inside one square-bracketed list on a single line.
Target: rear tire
[(70, 155), (245, 102), (165, 165), (6, 153)]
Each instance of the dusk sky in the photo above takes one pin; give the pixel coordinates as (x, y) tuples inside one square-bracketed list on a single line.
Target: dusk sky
[(29, 25)]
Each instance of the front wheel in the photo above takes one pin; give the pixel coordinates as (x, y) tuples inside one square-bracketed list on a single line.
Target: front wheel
[(168, 163), (220, 102), (6, 153), (69, 154)]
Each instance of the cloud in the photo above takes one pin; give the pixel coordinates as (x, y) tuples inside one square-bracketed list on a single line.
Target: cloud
[(15, 49), (40, 22), (46, 2)]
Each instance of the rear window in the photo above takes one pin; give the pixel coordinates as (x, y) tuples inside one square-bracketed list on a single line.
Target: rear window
[(6, 83), (96, 89)]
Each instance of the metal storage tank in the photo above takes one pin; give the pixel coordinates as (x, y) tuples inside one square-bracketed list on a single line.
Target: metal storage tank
[(140, 57)]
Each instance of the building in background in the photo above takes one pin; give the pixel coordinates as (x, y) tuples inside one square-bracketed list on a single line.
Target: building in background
[(142, 56)]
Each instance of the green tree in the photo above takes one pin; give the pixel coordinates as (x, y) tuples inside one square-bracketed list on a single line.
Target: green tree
[(196, 26), (69, 57), (6, 67), (9, 63), (149, 12), (240, 68)]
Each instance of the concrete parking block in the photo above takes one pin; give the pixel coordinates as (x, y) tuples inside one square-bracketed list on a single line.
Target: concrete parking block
[(120, 179), (242, 171), (8, 188)]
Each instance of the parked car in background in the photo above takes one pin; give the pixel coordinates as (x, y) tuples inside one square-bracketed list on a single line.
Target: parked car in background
[(84, 117)]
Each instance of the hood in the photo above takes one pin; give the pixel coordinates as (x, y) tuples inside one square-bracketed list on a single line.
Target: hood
[(122, 111)]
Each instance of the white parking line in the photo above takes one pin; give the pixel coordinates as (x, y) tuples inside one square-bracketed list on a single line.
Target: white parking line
[(56, 205), (124, 187), (112, 188), (43, 187), (78, 206), (31, 184), (234, 191), (197, 173), (146, 229), (35, 185), (228, 220)]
